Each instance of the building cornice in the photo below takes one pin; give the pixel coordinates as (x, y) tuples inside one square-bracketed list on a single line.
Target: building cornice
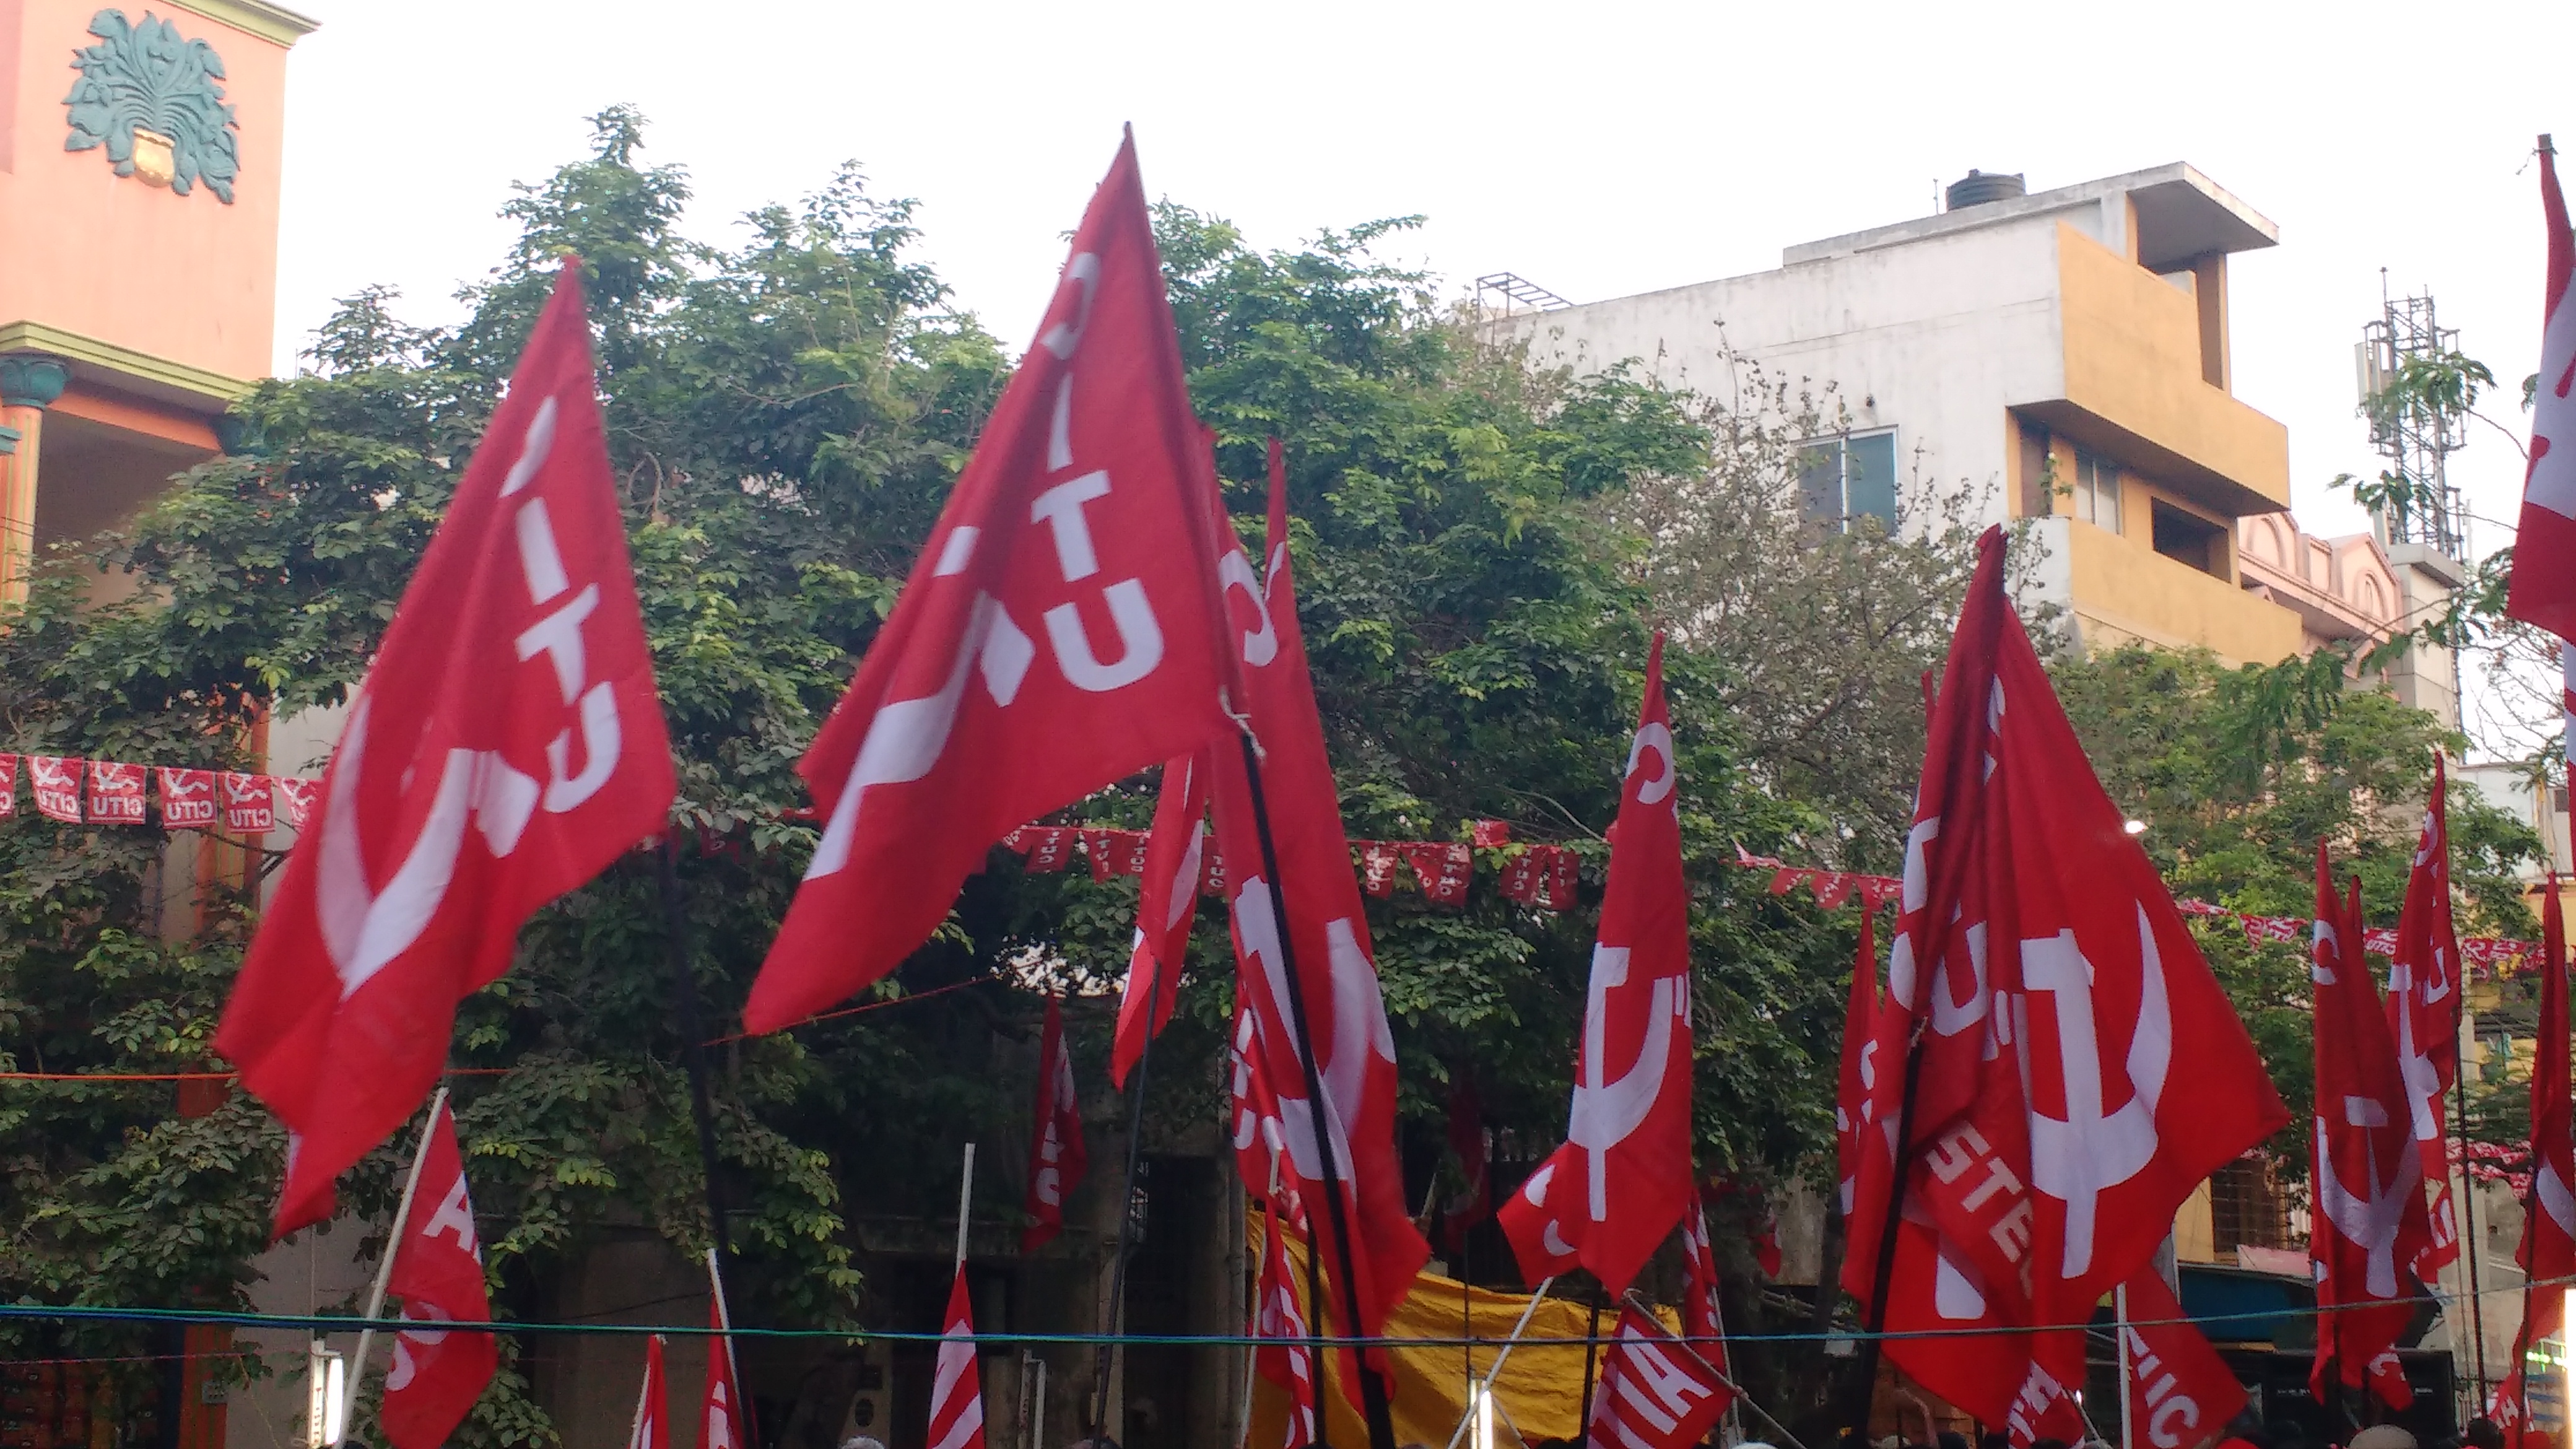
[(158, 374), (273, 23)]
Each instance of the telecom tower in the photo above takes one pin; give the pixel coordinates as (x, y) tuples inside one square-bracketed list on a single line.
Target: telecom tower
[(2426, 536)]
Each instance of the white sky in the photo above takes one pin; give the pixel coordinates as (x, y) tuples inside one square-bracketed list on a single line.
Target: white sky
[(1598, 149)]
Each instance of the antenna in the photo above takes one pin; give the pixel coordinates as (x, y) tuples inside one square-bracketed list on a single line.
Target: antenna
[(2415, 434)]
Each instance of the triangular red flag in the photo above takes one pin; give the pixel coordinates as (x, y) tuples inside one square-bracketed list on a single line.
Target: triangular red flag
[(722, 1417), (1280, 1325), (506, 746), (1853, 1106), (1620, 1183), (2542, 591), (652, 1404), (1059, 632), (957, 1387), (1167, 899)]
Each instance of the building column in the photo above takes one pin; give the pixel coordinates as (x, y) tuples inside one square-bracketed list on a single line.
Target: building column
[(29, 383)]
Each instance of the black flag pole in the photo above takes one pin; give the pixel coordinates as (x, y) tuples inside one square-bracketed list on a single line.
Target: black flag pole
[(1883, 1272), (1373, 1400), (1110, 1324), (693, 1037)]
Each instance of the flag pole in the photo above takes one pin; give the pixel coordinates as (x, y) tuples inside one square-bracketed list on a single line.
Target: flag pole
[(965, 1192), (1883, 1273), (1509, 1344), (2469, 1244), (385, 1269), (693, 1036), (2120, 1339), (1111, 1321), (1373, 1401), (1591, 1361)]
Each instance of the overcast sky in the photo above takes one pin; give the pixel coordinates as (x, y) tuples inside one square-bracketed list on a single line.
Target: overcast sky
[(1598, 149)]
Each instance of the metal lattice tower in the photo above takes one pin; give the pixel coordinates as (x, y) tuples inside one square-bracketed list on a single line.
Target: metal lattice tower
[(1515, 293), (2415, 435)]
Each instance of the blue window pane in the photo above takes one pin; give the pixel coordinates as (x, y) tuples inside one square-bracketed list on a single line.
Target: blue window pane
[(1870, 477), (1820, 484)]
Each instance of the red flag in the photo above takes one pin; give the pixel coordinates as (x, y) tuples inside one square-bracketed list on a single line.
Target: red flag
[(1621, 1181), (2369, 1181), (1166, 903), (8, 785), (1059, 632), (1280, 1323), (721, 1420), (2543, 587), (292, 796), (1353, 1053), (1654, 1393), (1466, 1131), (115, 793), (2423, 1007), (249, 807), (506, 746), (1699, 1286), (2081, 1072), (2181, 1393), (652, 1422), (2547, 1252), (956, 1388), (56, 780), (1056, 1154), (1853, 1104), (187, 798), (437, 1374)]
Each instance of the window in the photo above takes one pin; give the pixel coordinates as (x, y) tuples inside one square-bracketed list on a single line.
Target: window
[(2097, 490), (1849, 477), (2188, 538)]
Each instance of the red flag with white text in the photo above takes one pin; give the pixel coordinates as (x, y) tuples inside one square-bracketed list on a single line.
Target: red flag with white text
[(187, 798), (506, 746), (956, 1387), (1057, 1156), (2369, 1225), (437, 1374), (1654, 1392), (2547, 1251), (1058, 633), (2082, 1071), (2181, 1393), (1619, 1184), (115, 793), (2423, 1014), (1167, 899), (250, 805), (56, 780), (1354, 1054)]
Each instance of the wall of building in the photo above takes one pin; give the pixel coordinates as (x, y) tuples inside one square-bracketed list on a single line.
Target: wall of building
[(187, 279)]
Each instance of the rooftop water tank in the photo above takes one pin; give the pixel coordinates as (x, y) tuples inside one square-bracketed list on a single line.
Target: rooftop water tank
[(1978, 187)]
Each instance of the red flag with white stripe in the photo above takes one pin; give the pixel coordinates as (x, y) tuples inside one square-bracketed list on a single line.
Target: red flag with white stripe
[(1654, 1393), (1853, 1104), (1059, 632), (2542, 591), (1622, 1179), (721, 1424), (1057, 1156), (652, 1404), (1281, 1324), (957, 1389), (1166, 904)]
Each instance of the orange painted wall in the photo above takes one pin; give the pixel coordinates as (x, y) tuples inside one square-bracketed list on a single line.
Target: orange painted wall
[(185, 278)]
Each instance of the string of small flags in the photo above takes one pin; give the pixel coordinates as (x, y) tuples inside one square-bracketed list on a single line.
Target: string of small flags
[(76, 791), (1833, 888), (1532, 874)]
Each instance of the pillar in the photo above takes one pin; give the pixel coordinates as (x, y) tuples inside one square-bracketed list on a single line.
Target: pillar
[(29, 383)]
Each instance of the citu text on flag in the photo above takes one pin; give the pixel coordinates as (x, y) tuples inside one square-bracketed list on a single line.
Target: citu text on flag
[(1059, 630), (506, 746)]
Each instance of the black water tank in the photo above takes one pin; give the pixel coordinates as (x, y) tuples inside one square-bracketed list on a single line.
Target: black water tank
[(1979, 187)]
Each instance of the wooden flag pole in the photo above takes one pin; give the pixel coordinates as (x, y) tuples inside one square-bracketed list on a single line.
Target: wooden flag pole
[(1373, 1400), (385, 1269)]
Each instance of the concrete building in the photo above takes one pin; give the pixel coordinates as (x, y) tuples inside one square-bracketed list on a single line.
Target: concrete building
[(2061, 356)]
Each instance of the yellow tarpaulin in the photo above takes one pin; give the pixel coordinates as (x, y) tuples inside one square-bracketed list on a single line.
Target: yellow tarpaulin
[(1539, 1392)]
